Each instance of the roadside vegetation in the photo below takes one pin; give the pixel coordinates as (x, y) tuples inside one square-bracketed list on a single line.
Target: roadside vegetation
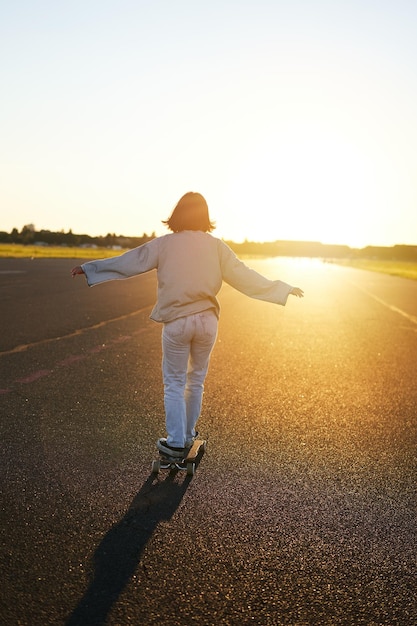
[(398, 260), (29, 236), (405, 269), (55, 252)]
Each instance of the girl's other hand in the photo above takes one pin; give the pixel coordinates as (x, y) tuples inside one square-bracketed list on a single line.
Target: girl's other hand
[(77, 270), (297, 292)]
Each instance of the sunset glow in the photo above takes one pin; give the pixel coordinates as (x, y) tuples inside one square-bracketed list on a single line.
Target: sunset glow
[(295, 120)]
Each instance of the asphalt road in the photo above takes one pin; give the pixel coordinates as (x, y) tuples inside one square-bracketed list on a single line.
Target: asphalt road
[(303, 509)]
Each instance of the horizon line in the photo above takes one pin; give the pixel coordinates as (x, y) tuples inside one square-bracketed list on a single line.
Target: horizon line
[(226, 239)]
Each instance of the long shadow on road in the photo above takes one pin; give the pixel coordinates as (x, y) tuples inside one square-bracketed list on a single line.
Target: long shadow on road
[(118, 555)]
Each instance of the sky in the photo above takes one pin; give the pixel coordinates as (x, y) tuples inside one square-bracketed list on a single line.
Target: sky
[(296, 120)]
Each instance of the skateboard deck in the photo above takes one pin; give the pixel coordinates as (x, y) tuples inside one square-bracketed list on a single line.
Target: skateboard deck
[(188, 463)]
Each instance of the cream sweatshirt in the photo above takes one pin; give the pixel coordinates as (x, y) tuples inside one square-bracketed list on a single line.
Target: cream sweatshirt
[(191, 266)]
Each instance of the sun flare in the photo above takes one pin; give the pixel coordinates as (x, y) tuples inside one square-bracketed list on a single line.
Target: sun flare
[(303, 187)]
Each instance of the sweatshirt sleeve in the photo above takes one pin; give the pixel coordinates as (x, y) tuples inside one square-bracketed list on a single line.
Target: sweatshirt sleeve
[(249, 282), (131, 263)]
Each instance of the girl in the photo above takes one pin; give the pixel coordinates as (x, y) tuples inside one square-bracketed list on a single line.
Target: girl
[(191, 265)]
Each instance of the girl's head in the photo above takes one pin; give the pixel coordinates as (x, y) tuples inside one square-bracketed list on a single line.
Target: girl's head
[(191, 213)]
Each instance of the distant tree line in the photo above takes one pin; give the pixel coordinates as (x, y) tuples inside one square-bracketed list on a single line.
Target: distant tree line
[(290, 248), (30, 236), (394, 253), (326, 251)]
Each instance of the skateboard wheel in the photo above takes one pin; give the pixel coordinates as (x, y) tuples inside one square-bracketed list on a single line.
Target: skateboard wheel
[(156, 466), (190, 469)]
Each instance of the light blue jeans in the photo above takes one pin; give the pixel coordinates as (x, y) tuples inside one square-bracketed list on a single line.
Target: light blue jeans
[(187, 343)]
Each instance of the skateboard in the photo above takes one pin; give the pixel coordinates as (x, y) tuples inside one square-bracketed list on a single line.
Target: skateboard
[(188, 463)]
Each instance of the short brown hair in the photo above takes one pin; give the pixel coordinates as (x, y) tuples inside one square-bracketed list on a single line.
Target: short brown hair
[(190, 213)]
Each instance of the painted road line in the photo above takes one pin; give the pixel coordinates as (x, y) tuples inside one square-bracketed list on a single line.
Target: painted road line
[(391, 307), (75, 333), (71, 360)]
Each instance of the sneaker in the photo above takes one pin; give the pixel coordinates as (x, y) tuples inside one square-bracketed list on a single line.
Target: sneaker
[(172, 451)]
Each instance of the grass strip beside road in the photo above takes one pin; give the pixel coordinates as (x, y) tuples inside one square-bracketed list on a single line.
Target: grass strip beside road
[(18, 251), (394, 268), (404, 269)]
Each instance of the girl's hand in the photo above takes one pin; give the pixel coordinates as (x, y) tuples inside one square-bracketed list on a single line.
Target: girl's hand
[(77, 270), (297, 292)]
